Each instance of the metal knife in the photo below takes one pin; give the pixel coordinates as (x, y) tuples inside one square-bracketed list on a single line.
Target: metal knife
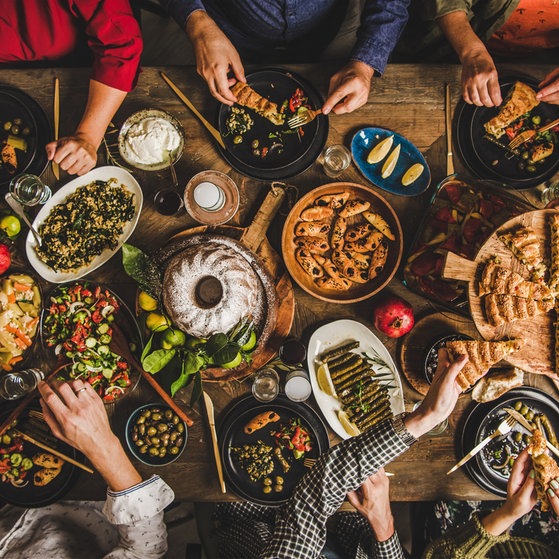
[(211, 421), (524, 422)]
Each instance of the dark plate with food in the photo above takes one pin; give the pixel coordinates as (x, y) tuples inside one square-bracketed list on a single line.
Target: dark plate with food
[(29, 475), (432, 356), (491, 467), (264, 446), (76, 329), (258, 140), (482, 137), (24, 132)]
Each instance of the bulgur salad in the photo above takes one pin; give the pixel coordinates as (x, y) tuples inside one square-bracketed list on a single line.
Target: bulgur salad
[(89, 221)]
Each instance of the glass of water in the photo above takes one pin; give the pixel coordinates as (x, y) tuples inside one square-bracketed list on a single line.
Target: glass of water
[(336, 160), (29, 190)]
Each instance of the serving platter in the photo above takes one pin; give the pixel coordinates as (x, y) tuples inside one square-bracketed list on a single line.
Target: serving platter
[(98, 174), (335, 334), (357, 292), (300, 149), (231, 434), (14, 103), (537, 353), (366, 139), (484, 418), (490, 161)]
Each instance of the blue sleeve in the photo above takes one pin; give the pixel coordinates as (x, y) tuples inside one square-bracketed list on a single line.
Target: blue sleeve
[(382, 22), (179, 10)]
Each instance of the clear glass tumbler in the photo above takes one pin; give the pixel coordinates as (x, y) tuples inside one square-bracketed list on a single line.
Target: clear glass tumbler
[(336, 160), (265, 385), (29, 190)]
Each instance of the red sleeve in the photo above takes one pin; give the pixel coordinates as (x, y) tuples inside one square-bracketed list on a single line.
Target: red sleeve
[(114, 37)]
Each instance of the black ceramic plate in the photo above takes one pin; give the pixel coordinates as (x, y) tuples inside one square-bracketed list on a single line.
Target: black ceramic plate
[(231, 434), (300, 150), (14, 103), (489, 161), (32, 495), (484, 419)]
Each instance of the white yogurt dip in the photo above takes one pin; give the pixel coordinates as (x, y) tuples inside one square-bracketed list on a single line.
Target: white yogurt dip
[(149, 141)]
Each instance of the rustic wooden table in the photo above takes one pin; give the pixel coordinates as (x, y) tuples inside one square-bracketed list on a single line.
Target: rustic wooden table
[(408, 99)]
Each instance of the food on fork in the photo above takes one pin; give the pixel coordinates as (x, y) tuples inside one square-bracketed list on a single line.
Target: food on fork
[(497, 279), (521, 99), (500, 309), (526, 246), (494, 385), (247, 97), (481, 357), (261, 420), (545, 466)]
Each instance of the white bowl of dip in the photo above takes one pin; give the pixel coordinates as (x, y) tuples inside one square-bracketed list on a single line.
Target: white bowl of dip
[(150, 139)]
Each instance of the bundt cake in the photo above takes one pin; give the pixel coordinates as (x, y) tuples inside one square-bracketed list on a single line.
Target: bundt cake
[(208, 288)]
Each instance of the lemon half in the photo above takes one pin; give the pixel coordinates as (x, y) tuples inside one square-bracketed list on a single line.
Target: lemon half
[(412, 174), (324, 381), (349, 427), (380, 151), (390, 163)]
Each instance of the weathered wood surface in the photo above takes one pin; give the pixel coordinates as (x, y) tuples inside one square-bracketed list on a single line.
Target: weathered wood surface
[(407, 99)]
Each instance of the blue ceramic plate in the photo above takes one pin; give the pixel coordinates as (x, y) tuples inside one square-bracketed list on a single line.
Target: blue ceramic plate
[(362, 144)]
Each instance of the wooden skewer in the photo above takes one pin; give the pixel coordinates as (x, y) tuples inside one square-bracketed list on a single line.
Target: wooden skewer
[(56, 119), (53, 451)]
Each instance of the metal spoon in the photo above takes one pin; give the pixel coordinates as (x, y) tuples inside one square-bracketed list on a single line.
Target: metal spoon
[(18, 209)]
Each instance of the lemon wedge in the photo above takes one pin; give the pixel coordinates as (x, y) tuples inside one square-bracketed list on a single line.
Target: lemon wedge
[(324, 381), (412, 174), (390, 163), (349, 427), (380, 151)]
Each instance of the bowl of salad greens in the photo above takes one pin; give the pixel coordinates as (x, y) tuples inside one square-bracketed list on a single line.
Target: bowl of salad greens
[(76, 328)]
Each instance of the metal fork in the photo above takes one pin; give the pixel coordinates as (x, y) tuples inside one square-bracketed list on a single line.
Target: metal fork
[(523, 137), (303, 118), (503, 428)]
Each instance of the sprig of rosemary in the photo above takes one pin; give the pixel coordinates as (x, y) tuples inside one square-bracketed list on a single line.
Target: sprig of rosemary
[(374, 358)]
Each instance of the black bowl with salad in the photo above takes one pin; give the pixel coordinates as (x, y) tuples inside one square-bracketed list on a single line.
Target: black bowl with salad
[(77, 327)]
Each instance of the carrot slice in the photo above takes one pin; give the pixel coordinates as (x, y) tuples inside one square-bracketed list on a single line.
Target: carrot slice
[(21, 286)]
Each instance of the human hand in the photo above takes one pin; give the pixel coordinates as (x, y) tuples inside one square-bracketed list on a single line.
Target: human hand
[(549, 88), (441, 398), (480, 81), (521, 494), (349, 88), (74, 154), (215, 56), (372, 501)]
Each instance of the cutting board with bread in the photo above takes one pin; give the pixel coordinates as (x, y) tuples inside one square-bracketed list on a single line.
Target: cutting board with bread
[(513, 283)]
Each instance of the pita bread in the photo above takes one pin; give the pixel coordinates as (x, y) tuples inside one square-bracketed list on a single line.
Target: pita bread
[(544, 465)]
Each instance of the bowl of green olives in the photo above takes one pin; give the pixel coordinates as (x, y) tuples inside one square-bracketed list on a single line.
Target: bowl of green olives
[(155, 434)]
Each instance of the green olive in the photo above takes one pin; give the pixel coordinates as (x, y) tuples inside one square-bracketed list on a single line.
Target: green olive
[(135, 437), (141, 420), (524, 409), (518, 405), (180, 428), (162, 452), (267, 481), (530, 415), (156, 416), (278, 488), (173, 436), (279, 480), (267, 489), (174, 450), (140, 442), (151, 431), (153, 451), (517, 437), (155, 441), (237, 139), (143, 449), (142, 429), (175, 419), (162, 427), (179, 441), (531, 168), (254, 144), (168, 414)]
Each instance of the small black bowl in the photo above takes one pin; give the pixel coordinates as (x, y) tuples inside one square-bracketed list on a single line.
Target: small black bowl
[(166, 424), (432, 357)]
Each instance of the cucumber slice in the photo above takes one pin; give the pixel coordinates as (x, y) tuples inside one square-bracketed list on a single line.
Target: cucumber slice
[(90, 342)]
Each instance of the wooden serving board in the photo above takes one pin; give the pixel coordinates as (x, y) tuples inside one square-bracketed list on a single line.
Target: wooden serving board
[(537, 355), (254, 238)]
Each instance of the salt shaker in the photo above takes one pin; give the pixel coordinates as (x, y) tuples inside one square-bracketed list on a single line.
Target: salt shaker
[(18, 384)]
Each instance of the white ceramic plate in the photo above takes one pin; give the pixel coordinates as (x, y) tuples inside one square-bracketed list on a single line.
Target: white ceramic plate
[(103, 174), (335, 334)]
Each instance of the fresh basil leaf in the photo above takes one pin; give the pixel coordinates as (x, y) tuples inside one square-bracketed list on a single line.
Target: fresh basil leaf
[(215, 343), (226, 354), (141, 268), (196, 389), (156, 360)]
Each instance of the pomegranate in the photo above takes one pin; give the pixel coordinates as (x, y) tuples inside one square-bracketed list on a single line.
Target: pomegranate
[(5, 258), (393, 316)]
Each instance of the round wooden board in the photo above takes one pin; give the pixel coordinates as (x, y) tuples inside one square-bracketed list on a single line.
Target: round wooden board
[(357, 292), (286, 308), (537, 354), (427, 330)]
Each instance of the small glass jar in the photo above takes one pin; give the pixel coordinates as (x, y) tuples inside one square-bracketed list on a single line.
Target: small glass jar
[(298, 385), (292, 352), (265, 385)]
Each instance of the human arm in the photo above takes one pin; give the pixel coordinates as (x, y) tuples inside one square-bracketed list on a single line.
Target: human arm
[(549, 88), (77, 154), (480, 81), (382, 22), (76, 414), (301, 523), (372, 501)]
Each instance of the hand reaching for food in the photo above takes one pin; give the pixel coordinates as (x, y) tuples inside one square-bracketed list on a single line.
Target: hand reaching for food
[(349, 88), (372, 501), (74, 154), (76, 415), (480, 81), (215, 56), (549, 88)]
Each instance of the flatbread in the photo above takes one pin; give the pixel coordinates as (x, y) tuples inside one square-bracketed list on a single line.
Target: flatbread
[(544, 465), (481, 357), (494, 385), (500, 280), (520, 100), (247, 97)]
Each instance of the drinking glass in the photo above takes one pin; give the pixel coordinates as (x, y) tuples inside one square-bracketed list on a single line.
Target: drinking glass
[(550, 192), (298, 386), (292, 352), (437, 430), (29, 190), (265, 385), (336, 160)]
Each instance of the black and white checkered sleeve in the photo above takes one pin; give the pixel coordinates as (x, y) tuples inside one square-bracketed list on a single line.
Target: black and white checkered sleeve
[(300, 527)]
